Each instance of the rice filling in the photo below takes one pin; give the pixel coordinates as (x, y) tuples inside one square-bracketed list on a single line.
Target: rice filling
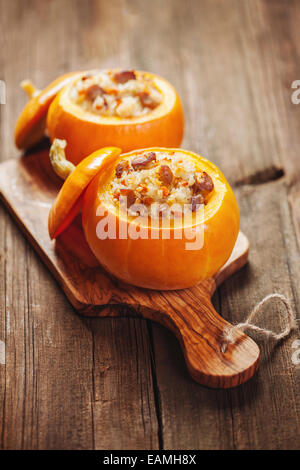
[(160, 181), (123, 94)]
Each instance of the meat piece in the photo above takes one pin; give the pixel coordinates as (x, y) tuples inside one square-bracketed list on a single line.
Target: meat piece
[(196, 201), (143, 161), (203, 185), (147, 200), (93, 92), (121, 166), (165, 175), (130, 195), (124, 76), (147, 101)]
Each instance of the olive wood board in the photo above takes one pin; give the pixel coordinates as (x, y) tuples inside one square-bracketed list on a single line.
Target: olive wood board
[(28, 187)]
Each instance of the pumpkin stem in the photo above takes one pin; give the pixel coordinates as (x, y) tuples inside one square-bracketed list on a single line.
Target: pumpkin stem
[(29, 88), (60, 164)]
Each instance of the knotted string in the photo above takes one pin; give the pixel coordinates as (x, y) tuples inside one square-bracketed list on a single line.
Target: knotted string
[(290, 324)]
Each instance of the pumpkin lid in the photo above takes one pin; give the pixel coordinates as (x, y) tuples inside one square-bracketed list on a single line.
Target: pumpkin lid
[(68, 201), (31, 123)]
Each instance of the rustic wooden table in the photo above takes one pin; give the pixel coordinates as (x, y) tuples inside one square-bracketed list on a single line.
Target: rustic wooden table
[(68, 382)]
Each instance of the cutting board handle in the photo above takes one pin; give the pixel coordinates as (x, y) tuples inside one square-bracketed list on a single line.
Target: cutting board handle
[(199, 329)]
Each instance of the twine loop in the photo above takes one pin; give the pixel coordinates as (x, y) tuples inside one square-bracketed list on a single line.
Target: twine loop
[(290, 322)]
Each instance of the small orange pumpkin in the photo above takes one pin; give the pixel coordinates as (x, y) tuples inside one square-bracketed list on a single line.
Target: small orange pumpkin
[(85, 131), (154, 262)]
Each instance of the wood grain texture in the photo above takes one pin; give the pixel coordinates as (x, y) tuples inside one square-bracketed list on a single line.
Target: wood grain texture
[(233, 63), (69, 384), (264, 413), (94, 387)]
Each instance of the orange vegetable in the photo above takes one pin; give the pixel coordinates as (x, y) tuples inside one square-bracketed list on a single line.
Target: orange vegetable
[(85, 132), (73, 241), (155, 262), (53, 110), (31, 124), (68, 201)]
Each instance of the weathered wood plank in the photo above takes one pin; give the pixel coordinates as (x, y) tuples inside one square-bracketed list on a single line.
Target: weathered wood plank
[(282, 69), (123, 401), (68, 382), (265, 412), (230, 110), (248, 81), (47, 350)]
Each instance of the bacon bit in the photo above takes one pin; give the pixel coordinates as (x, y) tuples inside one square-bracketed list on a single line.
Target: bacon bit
[(204, 185), (147, 101), (117, 195), (185, 183), (93, 91), (196, 201), (165, 175), (124, 76), (123, 182), (121, 166), (165, 191), (143, 161), (130, 195)]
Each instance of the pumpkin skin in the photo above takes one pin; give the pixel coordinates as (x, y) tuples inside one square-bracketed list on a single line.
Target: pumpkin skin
[(158, 263), (31, 124), (67, 204), (86, 132)]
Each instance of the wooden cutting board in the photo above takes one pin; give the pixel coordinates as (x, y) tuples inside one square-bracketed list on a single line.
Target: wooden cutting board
[(28, 187)]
